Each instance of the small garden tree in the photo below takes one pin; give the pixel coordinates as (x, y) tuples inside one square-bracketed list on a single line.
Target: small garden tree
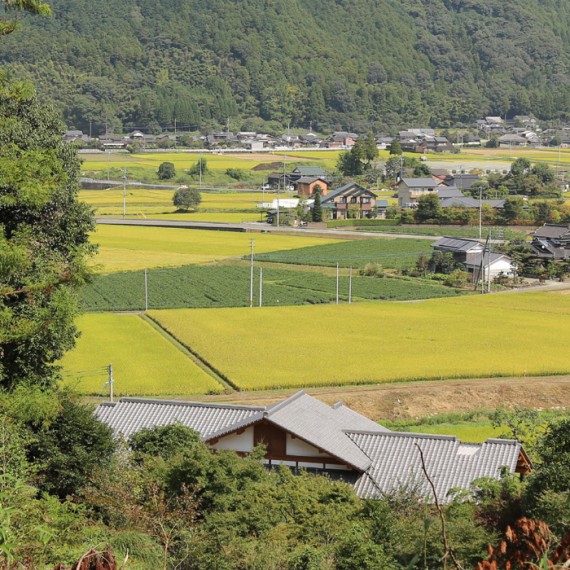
[(317, 213), (395, 147), (166, 171), (187, 198)]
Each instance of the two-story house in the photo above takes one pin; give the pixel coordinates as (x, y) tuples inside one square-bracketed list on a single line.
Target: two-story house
[(350, 201)]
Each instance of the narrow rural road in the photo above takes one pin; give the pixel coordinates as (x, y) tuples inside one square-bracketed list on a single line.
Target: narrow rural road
[(255, 227)]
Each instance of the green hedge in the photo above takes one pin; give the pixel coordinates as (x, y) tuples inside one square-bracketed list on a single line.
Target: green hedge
[(363, 222)]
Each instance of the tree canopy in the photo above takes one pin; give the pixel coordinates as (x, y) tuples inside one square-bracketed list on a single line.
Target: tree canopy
[(265, 64), (43, 238)]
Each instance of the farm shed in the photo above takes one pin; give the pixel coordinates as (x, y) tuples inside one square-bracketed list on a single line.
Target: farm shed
[(304, 433)]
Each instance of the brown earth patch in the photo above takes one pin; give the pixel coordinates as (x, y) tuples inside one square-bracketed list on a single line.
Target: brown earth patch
[(421, 399)]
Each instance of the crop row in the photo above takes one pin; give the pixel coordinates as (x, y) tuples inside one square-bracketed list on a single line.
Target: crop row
[(394, 253), (194, 286)]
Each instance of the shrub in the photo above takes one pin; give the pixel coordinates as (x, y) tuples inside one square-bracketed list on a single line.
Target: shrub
[(166, 171), (372, 270)]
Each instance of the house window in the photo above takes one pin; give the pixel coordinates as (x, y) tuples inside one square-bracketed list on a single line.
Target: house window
[(342, 200), (353, 200), (366, 200)]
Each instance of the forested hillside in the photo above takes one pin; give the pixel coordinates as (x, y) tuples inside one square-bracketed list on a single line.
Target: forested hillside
[(351, 64)]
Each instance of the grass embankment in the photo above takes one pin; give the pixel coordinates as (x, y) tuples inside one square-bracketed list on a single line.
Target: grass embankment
[(123, 248), (482, 336), (476, 426), (144, 361), (194, 286)]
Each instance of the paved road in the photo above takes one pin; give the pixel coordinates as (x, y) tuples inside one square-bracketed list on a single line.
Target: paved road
[(254, 227), (173, 224)]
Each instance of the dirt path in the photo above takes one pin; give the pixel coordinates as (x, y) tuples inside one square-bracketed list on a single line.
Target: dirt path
[(421, 399)]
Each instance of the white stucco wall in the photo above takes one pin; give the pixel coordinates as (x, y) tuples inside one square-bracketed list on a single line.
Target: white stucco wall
[(299, 447), (236, 442)]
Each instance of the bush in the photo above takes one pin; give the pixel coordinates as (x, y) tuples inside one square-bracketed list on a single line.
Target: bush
[(166, 171), (457, 279), (236, 173), (372, 270), (186, 198)]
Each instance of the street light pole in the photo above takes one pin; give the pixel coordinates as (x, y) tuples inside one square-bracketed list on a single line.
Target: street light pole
[(124, 192)]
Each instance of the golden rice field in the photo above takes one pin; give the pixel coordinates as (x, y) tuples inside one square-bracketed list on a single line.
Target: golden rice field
[(181, 160), (515, 334), (123, 248), (228, 207), (144, 362), (138, 198)]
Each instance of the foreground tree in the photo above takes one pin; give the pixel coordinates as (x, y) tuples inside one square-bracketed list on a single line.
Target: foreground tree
[(8, 25), (44, 243)]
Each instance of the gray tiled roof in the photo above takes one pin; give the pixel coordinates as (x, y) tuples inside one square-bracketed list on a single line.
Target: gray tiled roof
[(450, 192), (420, 182), (309, 171), (467, 202), (475, 259), (396, 463), (552, 231), (322, 426), (310, 179), (350, 189), (132, 414), (386, 460)]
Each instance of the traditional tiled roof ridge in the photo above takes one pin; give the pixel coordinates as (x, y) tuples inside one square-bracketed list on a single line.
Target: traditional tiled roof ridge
[(246, 422), (280, 405), (186, 403), (403, 434)]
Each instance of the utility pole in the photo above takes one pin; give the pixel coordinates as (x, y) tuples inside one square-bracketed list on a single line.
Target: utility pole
[(251, 277), (124, 192), (350, 285), (480, 211), (261, 286), (146, 290), (111, 381), (489, 263), (174, 132), (200, 166), (337, 283), (278, 214)]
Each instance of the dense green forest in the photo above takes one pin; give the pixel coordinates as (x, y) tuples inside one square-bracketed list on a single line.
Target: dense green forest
[(355, 64)]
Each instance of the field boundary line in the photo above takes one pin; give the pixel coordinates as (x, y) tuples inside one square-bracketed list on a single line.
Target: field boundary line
[(196, 358)]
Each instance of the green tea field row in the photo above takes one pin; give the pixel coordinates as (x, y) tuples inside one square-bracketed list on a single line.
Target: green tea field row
[(393, 253), (194, 286), (451, 231)]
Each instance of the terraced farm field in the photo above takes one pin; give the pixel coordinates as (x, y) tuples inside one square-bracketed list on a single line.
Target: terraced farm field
[(475, 336), (194, 286), (123, 248), (390, 252), (144, 362)]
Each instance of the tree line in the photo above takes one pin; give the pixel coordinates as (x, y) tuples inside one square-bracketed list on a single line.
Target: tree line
[(356, 66)]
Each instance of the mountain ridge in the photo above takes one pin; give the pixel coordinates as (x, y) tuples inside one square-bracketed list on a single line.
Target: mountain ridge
[(355, 64)]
